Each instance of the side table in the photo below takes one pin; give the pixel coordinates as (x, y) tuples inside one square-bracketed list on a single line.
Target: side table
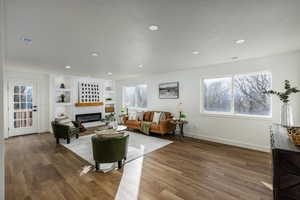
[(179, 124)]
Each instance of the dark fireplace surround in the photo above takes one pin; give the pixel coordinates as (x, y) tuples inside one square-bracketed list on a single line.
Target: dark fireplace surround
[(89, 117)]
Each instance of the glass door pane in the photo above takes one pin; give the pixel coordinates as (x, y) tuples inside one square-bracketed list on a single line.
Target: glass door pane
[(22, 100)]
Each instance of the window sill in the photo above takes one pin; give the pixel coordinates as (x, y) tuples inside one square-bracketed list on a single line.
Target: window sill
[(135, 108), (237, 116)]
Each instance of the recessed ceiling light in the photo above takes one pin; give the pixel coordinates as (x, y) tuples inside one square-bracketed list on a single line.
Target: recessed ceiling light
[(239, 41), (153, 28), (26, 40), (196, 52), (109, 73), (68, 67), (95, 54), (140, 66)]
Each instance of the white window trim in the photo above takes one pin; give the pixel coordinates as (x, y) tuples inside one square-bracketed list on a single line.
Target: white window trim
[(231, 114), (131, 107)]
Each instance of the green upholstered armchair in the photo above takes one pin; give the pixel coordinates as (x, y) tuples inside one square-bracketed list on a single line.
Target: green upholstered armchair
[(64, 131), (110, 149)]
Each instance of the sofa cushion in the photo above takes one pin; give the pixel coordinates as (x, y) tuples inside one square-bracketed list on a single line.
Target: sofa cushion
[(154, 126), (147, 116), (133, 122)]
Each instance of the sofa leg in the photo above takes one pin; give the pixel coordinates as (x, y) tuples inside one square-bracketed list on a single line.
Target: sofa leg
[(96, 165), (68, 140), (119, 164), (57, 140)]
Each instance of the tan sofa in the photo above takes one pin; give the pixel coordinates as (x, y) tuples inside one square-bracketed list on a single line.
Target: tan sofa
[(164, 126)]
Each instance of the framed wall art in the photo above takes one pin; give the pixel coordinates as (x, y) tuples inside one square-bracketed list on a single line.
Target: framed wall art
[(169, 90)]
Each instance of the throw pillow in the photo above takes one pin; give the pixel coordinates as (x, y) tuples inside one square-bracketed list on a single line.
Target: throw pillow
[(132, 116), (162, 116), (140, 115), (156, 117), (65, 121)]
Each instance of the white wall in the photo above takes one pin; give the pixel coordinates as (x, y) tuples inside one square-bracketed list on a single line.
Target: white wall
[(2, 62), (43, 97), (246, 132)]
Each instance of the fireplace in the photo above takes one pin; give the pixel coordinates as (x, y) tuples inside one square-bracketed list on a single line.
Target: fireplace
[(90, 117)]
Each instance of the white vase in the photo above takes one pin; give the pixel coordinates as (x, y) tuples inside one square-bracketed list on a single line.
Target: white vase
[(287, 115)]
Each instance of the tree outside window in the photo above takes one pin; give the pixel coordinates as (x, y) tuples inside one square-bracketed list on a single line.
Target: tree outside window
[(239, 94)]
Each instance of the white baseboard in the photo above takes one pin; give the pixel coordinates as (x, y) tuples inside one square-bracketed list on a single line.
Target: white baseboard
[(226, 141)]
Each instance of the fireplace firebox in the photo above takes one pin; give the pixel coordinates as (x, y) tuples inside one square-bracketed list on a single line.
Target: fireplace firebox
[(90, 117)]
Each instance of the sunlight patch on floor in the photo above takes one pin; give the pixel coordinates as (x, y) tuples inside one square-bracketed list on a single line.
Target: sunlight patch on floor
[(86, 169), (267, 185), (130, 182)]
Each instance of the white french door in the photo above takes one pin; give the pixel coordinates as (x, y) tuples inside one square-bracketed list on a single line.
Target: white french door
[(22, 107)]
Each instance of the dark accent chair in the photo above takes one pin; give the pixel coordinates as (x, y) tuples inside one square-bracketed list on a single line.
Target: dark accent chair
[(64, 131), (110, 149)]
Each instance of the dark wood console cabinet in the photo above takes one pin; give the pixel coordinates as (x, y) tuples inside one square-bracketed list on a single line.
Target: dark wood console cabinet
[(286, 165)]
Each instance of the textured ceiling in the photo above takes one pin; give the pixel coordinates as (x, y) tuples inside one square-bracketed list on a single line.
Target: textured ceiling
[(66, 32)]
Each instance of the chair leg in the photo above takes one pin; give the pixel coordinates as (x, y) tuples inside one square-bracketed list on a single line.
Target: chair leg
[(96, 165), (77, 136), (68, 140), (57, 140), (120, 164)]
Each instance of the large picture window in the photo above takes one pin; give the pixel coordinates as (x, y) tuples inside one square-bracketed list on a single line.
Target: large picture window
[(135, 96), (238, 94)]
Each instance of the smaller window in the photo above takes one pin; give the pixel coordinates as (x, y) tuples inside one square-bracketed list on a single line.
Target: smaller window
[(135, 96)]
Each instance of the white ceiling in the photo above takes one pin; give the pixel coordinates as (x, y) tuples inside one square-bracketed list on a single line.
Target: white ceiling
[(66, 32)]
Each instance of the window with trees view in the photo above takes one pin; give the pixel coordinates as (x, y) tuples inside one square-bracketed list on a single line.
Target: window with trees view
[(135, 96), (238, 94)]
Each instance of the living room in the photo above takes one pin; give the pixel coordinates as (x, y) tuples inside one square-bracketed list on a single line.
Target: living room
[(150, 100)]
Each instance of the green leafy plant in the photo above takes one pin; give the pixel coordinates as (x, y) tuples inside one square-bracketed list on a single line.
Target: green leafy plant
[(183, 116), (284, 96)]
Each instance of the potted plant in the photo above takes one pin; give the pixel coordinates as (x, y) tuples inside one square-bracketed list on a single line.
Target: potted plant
[(286, 109), (182, 116)]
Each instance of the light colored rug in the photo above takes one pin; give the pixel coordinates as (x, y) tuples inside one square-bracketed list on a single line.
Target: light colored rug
[(138, 146)]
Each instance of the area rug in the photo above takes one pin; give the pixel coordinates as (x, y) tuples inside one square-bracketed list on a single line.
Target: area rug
[(138, 146)]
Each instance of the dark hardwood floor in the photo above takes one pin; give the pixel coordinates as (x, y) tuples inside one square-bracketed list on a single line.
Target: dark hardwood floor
[(37, 168)]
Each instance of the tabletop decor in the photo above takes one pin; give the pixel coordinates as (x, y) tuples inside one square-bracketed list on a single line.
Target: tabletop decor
[(286, 109), (294, 135)]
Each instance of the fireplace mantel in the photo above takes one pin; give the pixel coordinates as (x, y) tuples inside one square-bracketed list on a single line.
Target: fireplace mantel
[(89, 104)]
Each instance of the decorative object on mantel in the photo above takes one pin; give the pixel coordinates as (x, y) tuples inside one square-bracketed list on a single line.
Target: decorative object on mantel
[(294, 134), (286, 109), (62, 98), (169, 90), (62, 86)]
